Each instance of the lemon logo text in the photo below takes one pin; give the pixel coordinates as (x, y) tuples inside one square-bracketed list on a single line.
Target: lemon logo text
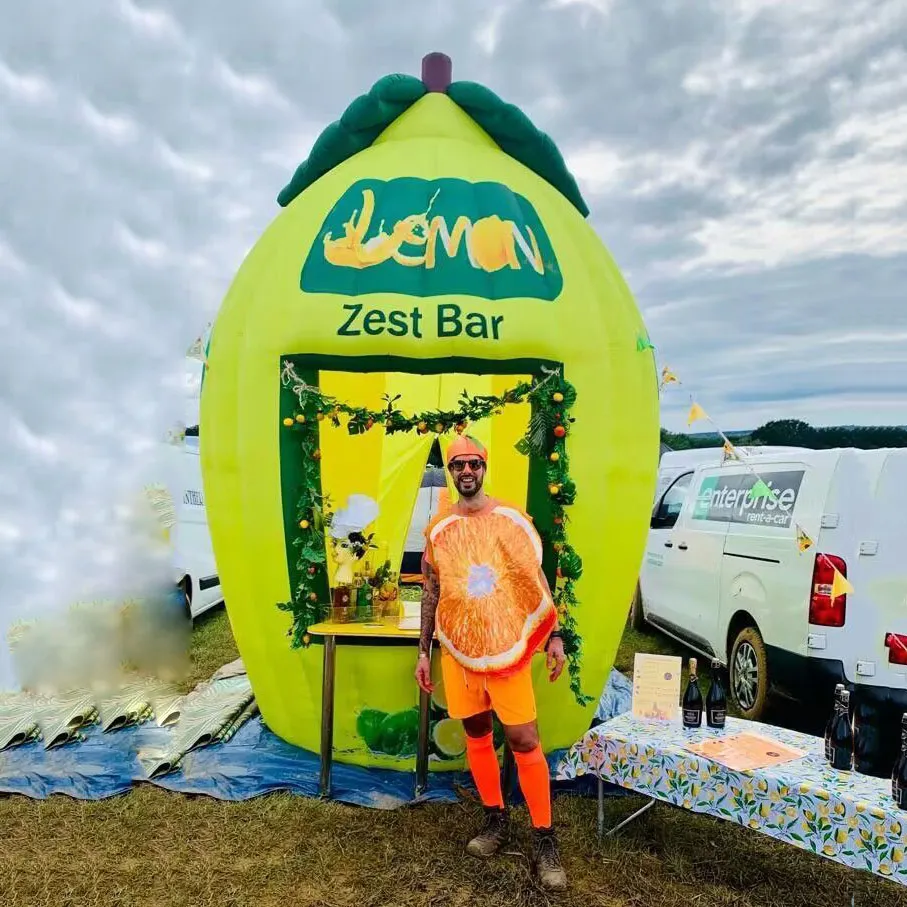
[(430, 238)]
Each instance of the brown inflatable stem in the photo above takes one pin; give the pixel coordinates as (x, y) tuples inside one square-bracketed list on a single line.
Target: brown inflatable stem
[(437, 71)]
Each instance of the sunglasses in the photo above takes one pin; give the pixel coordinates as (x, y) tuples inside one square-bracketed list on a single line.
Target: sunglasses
[(459, 465)]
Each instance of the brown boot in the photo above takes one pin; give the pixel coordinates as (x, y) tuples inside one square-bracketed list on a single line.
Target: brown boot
[(547, 862), (492, 836)]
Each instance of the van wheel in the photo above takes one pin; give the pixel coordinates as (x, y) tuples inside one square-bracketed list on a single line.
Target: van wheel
[(185, 586), (749, 673), (637, 618)]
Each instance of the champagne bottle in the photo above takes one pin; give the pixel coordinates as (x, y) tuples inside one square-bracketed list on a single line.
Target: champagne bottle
[(692, 700), (841, 748), (716, 700), (839, 689), (899, 774), (868, 728)]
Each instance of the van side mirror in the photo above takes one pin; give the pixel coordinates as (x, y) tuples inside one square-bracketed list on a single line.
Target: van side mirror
[(663, 520)]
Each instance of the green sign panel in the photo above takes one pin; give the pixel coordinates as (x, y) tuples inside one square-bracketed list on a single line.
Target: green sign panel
[(432, 238)]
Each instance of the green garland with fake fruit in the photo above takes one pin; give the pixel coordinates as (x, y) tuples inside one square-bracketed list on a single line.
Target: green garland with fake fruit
[(552, 398)]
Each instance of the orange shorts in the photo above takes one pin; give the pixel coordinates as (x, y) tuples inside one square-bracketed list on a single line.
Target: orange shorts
[(511, 698)]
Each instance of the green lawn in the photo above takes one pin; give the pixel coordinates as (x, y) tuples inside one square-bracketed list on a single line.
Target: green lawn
[(156, 849)]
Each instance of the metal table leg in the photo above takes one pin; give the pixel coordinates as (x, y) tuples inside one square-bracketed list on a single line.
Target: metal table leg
[(601, 809), (631, 818), (509, 772), (327, 714), (422, 751)]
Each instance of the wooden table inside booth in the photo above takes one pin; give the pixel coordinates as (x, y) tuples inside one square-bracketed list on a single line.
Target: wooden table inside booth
[(384, 629)]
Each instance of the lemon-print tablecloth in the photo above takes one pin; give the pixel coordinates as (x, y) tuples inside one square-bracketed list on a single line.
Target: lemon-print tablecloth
[(844, 816)]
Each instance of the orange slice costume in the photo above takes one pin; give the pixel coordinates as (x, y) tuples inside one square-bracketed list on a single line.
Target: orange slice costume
[(494, 611)]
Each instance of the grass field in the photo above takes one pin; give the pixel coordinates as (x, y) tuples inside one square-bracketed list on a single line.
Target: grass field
[(156, 849)]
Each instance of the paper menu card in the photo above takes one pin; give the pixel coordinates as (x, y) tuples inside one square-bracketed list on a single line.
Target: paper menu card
[(656, 686), (745, 752)]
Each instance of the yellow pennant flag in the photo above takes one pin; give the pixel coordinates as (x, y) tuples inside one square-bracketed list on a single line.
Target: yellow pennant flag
[(804, 542), (730, 452), (840, 585), (197, 350), (696, 413), (668, 377)]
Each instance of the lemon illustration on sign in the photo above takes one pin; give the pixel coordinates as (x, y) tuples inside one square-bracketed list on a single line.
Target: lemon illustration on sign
[(493, 244), (369, 727), (449, 738), (399, 733)]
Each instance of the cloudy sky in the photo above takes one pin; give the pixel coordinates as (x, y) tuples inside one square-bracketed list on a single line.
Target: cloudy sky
[(745, 160)]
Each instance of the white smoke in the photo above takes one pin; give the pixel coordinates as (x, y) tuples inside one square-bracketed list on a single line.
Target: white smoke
[(94, 589)]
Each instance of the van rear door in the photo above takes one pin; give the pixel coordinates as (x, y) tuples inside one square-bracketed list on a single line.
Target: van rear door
[(839, 630), (879, 607), (764, 577)]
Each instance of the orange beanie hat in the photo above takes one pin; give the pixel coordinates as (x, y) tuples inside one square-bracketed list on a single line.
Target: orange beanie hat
[(466, 446)]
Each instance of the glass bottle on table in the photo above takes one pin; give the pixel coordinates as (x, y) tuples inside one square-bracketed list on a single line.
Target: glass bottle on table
[(839, 745), (899, 773), (836, 704), (691, 705), (365, 595), (716, 699)]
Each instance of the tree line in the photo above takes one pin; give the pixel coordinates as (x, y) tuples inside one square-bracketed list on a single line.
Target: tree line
[(796, 433)]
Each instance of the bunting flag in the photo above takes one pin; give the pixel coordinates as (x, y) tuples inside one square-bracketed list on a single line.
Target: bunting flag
[(197, 350), (840, 585), (804, 542), (730, 452), (643, 343), (696, 414), (760, 490), (668, 377)]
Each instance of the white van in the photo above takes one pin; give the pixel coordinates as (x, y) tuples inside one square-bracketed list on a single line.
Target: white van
[(195, 570), (434, 482), (723, 572)]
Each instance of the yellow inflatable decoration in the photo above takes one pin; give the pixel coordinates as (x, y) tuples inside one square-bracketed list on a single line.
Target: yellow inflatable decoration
[(432, 245)]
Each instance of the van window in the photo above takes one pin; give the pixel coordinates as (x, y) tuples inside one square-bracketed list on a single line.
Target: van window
[(672, 502)]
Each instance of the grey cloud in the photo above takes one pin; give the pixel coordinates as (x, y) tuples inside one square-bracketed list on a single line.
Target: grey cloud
[(144, 159)]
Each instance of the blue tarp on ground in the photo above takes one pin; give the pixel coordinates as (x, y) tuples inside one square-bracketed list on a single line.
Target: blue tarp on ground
[(253, 763)]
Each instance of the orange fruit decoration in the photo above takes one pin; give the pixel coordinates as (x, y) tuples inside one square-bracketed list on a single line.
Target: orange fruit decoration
[(494, 612)]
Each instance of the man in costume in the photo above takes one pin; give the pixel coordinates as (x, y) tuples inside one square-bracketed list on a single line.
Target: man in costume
[(487, 597)]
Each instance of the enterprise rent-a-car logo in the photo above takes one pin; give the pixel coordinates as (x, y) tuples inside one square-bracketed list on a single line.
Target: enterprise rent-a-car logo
[(728, 499)]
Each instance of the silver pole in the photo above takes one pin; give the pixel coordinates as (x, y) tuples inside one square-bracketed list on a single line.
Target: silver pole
[(422, 751), (630, 819), (601, 808)]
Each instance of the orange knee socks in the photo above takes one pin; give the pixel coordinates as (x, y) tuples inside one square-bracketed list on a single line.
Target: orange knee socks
[(532, 768), (483, 763)]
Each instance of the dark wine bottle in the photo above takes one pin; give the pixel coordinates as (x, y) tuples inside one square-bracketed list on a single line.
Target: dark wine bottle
[(716, 700), (899, 774), (836, 705), (841, 749), (692, 700), (868, 730)]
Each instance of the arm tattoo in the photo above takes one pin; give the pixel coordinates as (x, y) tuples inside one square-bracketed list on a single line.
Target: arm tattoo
[(431, 591)]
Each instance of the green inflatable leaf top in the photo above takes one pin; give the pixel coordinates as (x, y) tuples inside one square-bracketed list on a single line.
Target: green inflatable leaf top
[(370, 114)]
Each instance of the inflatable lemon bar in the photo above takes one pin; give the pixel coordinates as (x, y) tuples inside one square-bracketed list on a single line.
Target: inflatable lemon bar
[(433, 242)]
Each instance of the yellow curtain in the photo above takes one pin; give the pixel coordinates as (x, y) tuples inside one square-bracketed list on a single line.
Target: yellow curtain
[(387, 468)]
